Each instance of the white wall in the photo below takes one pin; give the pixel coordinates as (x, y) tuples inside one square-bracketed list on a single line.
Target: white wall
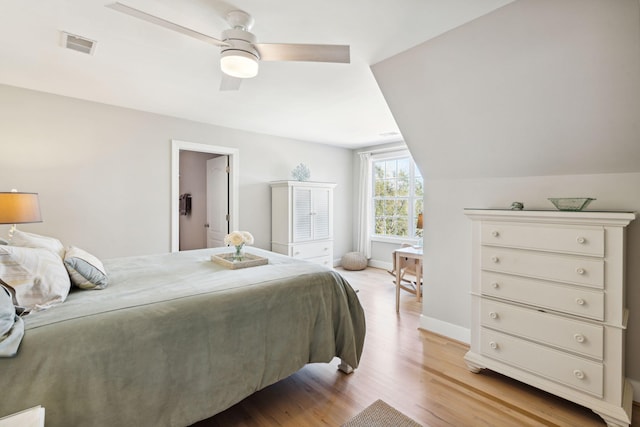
[(540, 98), (103, 172)]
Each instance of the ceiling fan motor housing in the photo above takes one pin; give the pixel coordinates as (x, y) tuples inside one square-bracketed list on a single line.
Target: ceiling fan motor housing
[(241, 40)]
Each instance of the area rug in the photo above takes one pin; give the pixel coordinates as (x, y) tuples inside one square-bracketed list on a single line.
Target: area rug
[(379, 414)]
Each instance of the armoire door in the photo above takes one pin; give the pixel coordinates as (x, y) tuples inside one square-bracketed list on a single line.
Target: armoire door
[(302, 214)]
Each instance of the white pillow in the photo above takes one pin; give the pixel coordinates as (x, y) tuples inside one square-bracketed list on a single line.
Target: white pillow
[(86, 271), (37, 276), (31, 240)]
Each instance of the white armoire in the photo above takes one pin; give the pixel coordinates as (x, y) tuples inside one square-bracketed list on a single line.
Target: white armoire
[(548, 304), (302, 220)]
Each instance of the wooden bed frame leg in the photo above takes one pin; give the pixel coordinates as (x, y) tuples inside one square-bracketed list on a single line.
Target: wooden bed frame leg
[(345, 367)]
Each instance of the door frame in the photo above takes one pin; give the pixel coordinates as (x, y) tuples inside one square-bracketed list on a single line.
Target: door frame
[(234, 183)]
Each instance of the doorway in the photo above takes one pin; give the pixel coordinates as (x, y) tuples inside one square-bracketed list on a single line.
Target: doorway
[(215, 152)]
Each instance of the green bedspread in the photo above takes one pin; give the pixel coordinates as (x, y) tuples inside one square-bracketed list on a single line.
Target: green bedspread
[(176, 338)]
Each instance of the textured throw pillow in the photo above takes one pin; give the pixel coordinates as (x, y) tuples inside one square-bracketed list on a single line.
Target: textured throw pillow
[(31, 240), (11, 326), (36, 276), (86, 271)]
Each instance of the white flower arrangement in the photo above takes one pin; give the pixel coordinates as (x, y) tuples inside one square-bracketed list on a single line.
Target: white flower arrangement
[(238, 239)]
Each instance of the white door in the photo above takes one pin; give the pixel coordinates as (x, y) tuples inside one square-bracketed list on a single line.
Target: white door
[(217, 201)]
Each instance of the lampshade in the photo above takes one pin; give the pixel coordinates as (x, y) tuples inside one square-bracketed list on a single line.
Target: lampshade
[(419, 223), (19, 208), (238, 63)]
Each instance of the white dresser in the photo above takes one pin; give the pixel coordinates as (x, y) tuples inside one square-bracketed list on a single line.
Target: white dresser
[(548, 304), (302, 220)]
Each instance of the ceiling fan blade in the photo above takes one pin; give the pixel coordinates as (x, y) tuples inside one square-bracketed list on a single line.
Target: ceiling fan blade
[(164, 23), (229, 83), (303, 52)]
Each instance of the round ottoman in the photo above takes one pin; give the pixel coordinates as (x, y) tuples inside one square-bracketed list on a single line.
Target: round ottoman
[(354, 261)]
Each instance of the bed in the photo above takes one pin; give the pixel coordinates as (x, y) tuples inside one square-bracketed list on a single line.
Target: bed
[(176, 338)]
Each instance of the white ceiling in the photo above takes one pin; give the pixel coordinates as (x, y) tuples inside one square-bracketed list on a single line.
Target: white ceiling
[(146, 67)]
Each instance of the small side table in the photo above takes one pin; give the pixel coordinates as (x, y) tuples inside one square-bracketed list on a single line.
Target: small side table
[(410, 253)]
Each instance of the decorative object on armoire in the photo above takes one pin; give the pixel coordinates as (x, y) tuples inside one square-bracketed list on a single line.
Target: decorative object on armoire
[(302, 220), (301, 173), (19, 208), (353, 261), (517, 206), (575, 204), (548, 304)]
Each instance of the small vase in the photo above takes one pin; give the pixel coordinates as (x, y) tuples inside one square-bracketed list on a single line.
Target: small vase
[(239, 254)]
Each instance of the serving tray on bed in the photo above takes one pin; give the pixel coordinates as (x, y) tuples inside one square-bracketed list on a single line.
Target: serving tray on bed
[(248, 260)]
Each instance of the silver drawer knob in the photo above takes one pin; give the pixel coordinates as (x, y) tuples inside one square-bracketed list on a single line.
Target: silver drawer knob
[(580, 301), (581, 240), (578, 374), (580, 271), (493, 345), (579, 338), (495, 259), (495, 285), (495, 233), (493, 315)]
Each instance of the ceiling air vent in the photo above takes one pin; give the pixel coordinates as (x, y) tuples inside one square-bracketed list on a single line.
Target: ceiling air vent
[(77, 43)]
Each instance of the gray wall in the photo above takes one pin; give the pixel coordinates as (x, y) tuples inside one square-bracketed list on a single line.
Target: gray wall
[(540, 98), (103, 172)]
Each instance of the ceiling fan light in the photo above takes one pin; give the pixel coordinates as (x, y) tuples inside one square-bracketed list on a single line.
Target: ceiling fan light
[(238, 63)]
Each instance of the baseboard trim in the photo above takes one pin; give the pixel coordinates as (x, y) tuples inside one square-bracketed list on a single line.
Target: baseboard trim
[(380, 264), (449, 330)]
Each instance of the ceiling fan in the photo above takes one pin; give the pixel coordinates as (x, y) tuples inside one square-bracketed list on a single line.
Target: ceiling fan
[(239, 51)]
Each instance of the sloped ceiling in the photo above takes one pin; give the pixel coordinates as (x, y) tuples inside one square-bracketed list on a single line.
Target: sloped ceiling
[(534, 88), (142, 66)]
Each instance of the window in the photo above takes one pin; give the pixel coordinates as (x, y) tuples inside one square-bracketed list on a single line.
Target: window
[(397, 197)]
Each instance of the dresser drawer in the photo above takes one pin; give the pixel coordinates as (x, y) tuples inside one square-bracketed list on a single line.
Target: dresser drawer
[(567, 334), (311, 250), (563, 268), (573, 371), (579, 301), (575, 240), (325, 260)]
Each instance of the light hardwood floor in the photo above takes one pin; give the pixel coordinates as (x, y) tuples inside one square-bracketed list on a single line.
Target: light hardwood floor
[(420, 373)]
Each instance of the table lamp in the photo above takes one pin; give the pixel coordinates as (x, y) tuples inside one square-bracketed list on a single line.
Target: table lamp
[(19, 208)]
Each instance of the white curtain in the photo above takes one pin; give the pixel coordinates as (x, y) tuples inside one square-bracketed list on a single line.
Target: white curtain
[(363, 241)]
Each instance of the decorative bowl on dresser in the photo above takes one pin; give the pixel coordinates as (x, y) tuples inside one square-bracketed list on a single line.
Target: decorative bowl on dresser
[(547, 293)]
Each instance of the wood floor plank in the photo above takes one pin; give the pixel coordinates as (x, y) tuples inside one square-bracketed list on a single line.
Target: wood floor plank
[(419, 373)]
